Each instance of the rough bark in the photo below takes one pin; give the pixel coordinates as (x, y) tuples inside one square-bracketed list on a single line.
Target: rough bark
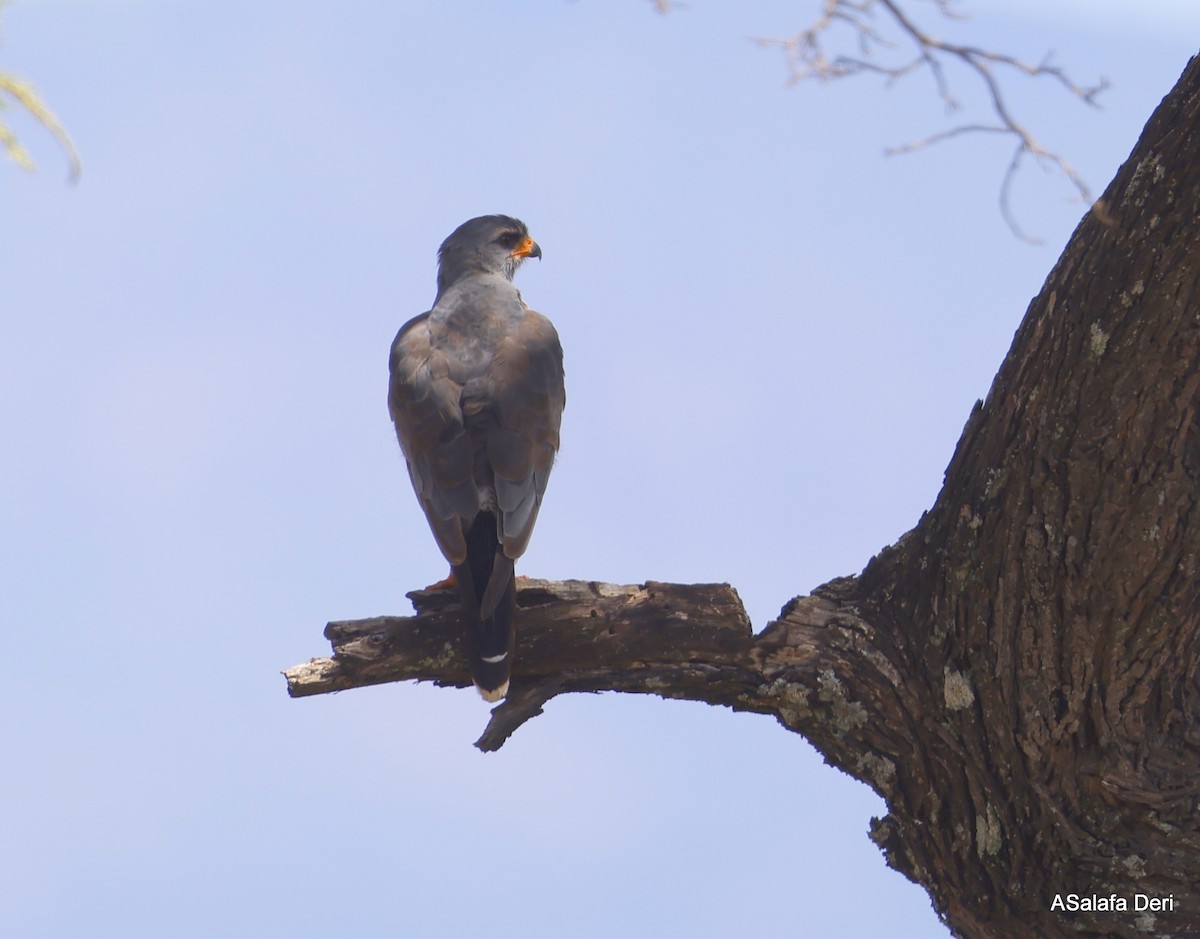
[(1017, 676), (691, 642)]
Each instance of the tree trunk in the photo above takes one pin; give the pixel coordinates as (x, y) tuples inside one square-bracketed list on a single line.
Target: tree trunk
[(1017, 676)]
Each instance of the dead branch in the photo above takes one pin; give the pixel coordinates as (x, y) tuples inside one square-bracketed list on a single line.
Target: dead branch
[(808, 59), (669, 639), (684, 641)]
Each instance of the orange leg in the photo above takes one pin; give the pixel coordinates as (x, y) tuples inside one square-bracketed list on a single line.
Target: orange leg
[(448, 584)]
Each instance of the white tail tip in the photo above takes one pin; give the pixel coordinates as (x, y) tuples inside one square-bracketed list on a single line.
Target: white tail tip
[(493, 696)]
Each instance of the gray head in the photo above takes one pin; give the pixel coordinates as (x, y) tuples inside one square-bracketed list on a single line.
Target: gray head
[(490, 244)]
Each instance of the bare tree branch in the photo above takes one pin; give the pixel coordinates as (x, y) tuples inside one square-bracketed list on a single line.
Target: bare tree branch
[(808, 59), (674, 640)]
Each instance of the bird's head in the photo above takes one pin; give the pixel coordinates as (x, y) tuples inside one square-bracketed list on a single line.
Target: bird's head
[(490, 244)]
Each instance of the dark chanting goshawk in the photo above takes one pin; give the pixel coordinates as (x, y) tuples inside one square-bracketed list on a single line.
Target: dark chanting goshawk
[(477, 396)]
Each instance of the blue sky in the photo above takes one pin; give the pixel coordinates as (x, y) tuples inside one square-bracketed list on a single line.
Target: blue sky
[(773, 337)]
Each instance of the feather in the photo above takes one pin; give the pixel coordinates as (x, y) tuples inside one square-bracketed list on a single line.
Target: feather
[(476, 395)]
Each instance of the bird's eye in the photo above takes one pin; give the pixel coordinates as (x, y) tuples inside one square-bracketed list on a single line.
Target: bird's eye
[(508, 239)]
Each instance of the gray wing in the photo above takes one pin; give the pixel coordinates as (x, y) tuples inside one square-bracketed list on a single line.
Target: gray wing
[(472, 413), (527, 395), (425, 401)]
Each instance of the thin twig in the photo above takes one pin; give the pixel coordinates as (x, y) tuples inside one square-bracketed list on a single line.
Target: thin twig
[(808, 59)]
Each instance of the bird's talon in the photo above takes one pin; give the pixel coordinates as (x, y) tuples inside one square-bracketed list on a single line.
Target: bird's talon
[(448, 583)]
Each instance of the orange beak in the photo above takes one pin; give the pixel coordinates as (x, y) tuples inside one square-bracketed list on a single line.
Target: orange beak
[(528, 248)]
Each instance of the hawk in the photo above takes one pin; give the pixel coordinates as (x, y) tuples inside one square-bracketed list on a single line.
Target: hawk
[(477, 396)]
